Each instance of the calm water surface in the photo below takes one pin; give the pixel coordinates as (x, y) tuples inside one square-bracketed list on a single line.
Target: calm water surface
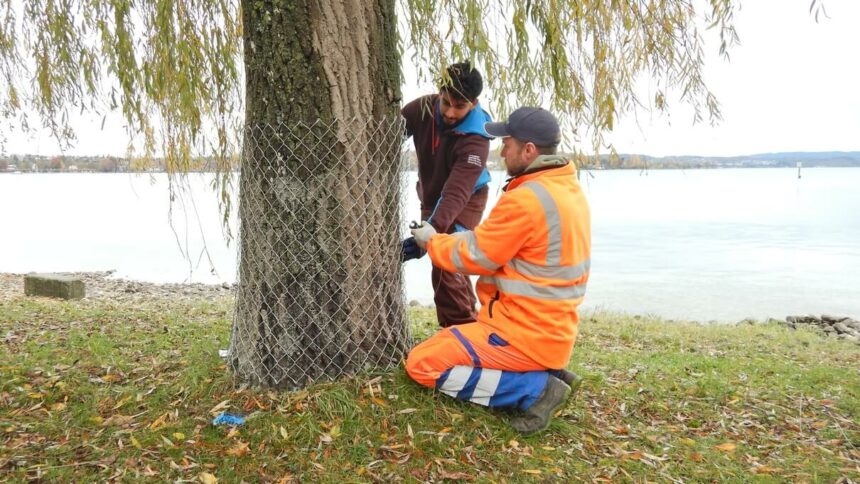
[(694, 244)]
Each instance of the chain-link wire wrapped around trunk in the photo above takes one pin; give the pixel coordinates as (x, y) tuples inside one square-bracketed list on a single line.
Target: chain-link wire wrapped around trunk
[(319, 281)]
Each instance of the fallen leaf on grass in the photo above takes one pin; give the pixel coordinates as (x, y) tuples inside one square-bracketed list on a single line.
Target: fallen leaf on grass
[(238, 450), (455, 475), (221, 406), (765, 470), (727, 447), (207, 478)]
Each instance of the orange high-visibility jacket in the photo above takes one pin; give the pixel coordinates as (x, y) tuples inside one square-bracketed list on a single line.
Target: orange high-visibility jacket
[(533, 253)]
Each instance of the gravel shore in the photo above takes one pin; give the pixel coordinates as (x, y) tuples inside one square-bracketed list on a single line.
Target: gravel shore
[(102, 286)]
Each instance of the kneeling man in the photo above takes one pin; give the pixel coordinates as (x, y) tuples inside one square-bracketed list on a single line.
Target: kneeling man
[(533, 257)]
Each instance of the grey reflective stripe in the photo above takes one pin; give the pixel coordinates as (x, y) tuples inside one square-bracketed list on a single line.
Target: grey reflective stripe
[(455, 254), (485, 280), (567, 273), (522, 288), (486, 387), (456, 380), (553, 222), (475, 253)]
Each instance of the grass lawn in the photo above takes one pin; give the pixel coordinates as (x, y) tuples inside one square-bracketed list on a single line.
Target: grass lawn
[(98, 390)]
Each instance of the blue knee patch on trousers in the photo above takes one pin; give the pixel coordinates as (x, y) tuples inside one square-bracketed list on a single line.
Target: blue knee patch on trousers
[(519, 390)]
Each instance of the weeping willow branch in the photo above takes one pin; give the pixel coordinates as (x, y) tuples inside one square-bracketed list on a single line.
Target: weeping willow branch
[(580, 58), (173, 69)]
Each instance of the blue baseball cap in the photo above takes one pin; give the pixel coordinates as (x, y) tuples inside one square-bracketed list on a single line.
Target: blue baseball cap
[(528, 124)]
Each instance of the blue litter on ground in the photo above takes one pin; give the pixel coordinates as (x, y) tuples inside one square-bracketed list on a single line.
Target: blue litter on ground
[(228, 419)]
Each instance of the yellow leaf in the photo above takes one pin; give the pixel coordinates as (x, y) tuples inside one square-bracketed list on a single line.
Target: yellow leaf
[(531, 471), (207, 478), (284, 433), (178, 435), (58, 407), (335, 432), (727, 447), (134, 441), (159, 422), (687, 441)]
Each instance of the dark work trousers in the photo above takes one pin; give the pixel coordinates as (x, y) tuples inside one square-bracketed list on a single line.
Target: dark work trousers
[(453, 292)]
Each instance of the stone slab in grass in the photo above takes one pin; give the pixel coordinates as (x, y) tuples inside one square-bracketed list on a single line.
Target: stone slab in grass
[(53, 285)]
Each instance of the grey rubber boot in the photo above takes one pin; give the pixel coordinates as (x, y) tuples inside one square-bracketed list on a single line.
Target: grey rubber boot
[(537, 417), (572, 379)]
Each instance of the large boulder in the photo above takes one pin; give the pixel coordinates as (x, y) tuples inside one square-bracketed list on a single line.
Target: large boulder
[(54, 285)]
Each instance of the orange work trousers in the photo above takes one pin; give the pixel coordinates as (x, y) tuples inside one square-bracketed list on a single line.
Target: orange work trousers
[(470, 362)]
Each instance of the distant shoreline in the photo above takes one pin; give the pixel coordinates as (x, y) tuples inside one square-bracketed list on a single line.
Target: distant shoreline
[(27, 163), (492, 168)]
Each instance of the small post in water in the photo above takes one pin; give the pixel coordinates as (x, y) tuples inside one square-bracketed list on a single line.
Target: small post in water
[(798, 169)]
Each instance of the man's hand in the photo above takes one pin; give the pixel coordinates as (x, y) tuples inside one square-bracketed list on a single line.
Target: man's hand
[(411, 250), (422, 234)]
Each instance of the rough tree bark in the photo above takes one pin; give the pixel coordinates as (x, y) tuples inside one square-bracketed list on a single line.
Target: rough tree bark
[(319, 276)]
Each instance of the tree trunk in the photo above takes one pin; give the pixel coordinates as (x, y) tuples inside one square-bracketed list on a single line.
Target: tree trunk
[(319, 281)]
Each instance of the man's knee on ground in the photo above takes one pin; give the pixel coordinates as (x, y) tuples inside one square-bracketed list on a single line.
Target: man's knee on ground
[(418, 369)]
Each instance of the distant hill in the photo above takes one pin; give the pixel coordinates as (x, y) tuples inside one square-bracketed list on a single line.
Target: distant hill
[(786, 159)]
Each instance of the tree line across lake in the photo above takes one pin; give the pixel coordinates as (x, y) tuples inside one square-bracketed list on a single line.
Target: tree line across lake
[(110, 164)]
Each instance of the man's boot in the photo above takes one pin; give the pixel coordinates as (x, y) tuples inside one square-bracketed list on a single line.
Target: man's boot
[(537, 417), (572, 379)]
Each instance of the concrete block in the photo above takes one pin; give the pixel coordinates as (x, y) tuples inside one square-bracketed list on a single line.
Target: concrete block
[(53, 285)]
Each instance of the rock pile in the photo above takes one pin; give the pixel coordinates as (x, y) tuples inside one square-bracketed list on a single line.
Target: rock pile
[(841, 327), (103, 286)]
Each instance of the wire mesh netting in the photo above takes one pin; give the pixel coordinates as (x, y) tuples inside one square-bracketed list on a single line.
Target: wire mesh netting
[(319, 291)]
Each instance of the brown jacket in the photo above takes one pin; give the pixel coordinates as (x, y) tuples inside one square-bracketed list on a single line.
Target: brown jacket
[(452, 164)]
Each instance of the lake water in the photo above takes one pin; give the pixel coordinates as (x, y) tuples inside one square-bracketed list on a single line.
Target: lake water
[(686, 244)]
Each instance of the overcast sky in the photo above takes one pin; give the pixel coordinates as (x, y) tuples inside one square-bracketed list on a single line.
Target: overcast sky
[(791, 85)]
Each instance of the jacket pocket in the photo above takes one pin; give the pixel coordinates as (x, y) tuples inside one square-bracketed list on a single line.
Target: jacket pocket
[(496, 340)]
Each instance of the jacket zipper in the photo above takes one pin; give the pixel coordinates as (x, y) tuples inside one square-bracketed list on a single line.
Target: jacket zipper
[(493, 301)]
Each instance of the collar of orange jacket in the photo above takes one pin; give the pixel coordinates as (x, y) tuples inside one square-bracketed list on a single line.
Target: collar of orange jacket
[(558, 165)]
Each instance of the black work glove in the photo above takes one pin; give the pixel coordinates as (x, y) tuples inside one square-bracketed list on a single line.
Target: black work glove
[(411, 250)]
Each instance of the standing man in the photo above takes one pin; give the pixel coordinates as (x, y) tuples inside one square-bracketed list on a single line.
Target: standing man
[(452, 147), (533, 255)]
